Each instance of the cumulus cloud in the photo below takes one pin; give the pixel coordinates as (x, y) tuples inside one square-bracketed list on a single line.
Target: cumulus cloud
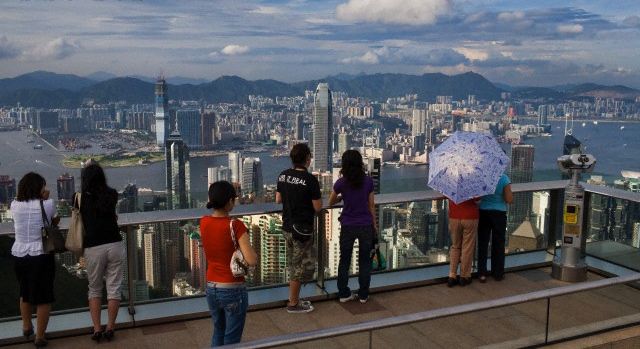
[(407, 55), (407, 12), (632, 21), (570, 28), (233, 50), (56, 49), (7, 49), (511, 16), (267, 10)]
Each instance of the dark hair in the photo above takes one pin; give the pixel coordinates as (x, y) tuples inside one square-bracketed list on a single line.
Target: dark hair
[(353, 168), (30, 187), (299, 154), (94, 183), (220, 193)]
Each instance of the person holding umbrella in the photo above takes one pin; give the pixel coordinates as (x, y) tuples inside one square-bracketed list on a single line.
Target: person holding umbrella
[(463, 168), (463, 227), (492, 227)]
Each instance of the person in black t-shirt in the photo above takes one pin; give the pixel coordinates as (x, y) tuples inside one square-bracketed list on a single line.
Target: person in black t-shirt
[(299, 193)]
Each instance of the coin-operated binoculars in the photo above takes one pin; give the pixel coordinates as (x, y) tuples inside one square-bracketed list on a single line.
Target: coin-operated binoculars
[(569, 265)]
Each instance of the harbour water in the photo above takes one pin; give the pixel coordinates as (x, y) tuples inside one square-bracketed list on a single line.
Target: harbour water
[(615, 149)]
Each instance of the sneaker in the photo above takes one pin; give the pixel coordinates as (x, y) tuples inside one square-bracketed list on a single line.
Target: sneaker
[(482, 278), (363, 300), (347, 299), (304, 301), (301, 307)]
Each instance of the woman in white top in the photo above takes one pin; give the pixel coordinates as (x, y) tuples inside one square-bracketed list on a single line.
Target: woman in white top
[(34, 268)]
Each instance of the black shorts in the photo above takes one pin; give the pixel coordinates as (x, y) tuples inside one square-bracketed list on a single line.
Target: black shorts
[(35, 275)]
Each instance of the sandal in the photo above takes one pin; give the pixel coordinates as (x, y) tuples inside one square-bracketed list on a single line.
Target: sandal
[(108, 335), (40, 342), (96, 336), (27, 333)]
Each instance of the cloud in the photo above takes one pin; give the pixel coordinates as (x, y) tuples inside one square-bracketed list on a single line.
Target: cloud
[(7, 49), (56, 49), (267, 10), (570, 28), (632, 21), (511, 16), (409, 55), (232, 50), (407, 12)]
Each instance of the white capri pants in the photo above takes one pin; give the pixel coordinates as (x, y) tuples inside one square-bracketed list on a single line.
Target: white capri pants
[(105, 262)]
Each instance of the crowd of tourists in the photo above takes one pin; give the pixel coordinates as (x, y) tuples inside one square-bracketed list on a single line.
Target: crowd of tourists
[(227, 246)]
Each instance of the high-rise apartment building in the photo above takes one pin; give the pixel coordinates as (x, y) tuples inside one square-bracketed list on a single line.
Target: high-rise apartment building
[(178, 172), (521, 172), (344, 142), (374, 169), (273, 250), (251, 176), (235, 166), (322, 129), (208, 128), (189, 126), (152, 268), (66, 187), (162, 112), (7, 189), (128, 199), (419, 122)]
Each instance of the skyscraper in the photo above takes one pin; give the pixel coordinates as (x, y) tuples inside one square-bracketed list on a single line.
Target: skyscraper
[(162, 112), (66, 187), (46, 122), (344, 142), (273, 250), (299, 126), (374, 167), (128, 201), (178, 172), (235, 165), (188, 124), (521, 172), (208, 127), (7, 189), (219, 173), (152, 261), (419, 122), (251, 176), (322, 129)]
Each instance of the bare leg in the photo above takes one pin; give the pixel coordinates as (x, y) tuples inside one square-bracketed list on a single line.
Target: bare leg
[(25, 312), (294, 292), (95, 305), (43, 311), (113, 307)]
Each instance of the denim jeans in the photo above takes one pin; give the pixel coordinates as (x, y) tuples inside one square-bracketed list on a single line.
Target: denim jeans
[(348, 235), (228, 308)]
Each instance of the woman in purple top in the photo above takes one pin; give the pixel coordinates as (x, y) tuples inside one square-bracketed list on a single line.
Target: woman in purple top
[(357, 221)]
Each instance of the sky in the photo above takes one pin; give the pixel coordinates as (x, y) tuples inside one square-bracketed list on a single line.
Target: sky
[(521, 43)]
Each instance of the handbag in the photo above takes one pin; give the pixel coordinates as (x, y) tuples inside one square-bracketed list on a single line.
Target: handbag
[(75, 234), (52, 239), (302, 232), (239, 266)]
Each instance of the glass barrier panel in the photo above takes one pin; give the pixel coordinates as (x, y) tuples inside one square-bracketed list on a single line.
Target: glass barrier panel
[(614, 230)]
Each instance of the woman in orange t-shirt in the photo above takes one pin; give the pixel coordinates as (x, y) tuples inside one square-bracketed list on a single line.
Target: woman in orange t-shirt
[(463, 227), (226, 295)]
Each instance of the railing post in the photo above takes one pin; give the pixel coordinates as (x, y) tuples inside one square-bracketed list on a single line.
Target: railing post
[(546, 330), (586, 223), (320, 222), (131, 268)]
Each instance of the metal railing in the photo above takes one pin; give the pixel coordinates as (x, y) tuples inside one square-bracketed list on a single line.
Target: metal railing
[(129, 220), (370, 326)]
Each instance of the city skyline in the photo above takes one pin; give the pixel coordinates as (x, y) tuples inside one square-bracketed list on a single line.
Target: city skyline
[(508, 42)]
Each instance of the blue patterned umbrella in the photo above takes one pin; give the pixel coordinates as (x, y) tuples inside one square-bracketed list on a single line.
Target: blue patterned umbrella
[(466, 165)]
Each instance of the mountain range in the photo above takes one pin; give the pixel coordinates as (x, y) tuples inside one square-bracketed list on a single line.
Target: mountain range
[(50, 90)]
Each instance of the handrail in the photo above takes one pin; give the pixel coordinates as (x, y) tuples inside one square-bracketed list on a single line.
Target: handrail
[(295, 338), (151, 217)]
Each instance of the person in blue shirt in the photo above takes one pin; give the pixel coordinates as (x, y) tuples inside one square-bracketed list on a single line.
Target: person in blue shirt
[(492, 226)]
